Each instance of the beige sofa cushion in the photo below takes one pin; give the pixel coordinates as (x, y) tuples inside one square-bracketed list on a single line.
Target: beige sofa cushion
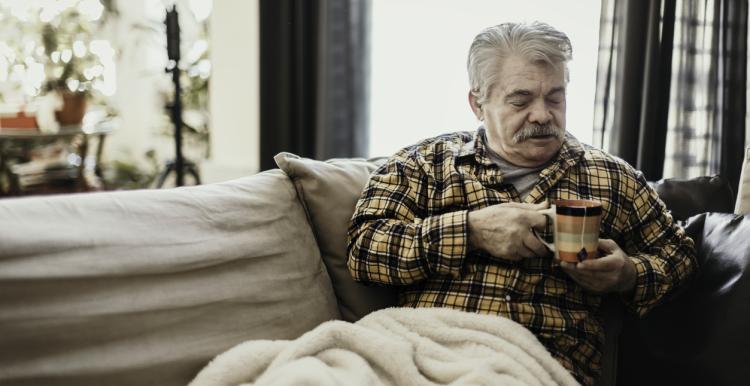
[(145, 287), (329, 191)]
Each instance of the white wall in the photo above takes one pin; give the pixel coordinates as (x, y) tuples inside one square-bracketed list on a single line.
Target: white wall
[(233, 94), (234, 91), (419, 48), (140, 73)]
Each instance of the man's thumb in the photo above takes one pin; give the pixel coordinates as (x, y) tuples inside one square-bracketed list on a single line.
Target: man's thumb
[(541, 205)]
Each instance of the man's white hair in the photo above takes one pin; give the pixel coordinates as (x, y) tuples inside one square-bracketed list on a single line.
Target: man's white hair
[(536, 42)]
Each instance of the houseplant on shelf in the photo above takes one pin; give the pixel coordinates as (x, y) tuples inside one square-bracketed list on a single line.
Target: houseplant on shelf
[(50, 48)]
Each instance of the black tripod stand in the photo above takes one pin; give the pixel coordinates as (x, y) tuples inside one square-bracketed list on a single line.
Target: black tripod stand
[(179, 166)]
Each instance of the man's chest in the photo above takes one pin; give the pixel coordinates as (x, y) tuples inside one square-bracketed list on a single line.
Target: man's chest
[(475, 186)]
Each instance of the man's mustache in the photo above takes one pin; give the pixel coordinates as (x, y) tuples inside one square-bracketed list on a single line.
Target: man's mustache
[(537, 130)]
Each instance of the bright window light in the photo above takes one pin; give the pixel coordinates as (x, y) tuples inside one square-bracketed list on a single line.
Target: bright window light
[(419, 83)]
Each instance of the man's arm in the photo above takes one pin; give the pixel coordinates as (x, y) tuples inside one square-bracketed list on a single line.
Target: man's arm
[(391, 239), (662, 254), (656, 255)]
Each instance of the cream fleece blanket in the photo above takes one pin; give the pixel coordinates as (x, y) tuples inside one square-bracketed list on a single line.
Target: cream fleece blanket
[(395, 346)]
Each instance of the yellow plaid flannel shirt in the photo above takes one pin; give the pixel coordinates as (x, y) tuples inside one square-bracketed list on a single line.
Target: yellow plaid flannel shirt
[(409, 229)]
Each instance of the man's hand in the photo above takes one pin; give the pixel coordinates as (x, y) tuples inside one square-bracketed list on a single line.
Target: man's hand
[(504, 230), (613, 272)]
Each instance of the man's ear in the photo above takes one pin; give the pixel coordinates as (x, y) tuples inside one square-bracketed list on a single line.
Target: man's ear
[(475, 107)]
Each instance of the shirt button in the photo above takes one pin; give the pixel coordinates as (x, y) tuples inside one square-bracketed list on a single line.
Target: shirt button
[(507, 297)]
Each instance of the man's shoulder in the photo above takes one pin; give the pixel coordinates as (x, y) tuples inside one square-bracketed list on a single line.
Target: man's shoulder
[(596, 156), (598, 161), (437, 147)]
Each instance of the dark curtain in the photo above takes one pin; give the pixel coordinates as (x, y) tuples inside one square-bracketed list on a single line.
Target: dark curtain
[(632, 96), (671, 86), (314, 70)]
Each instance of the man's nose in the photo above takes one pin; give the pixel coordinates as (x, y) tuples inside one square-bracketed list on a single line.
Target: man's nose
[(540, 112)]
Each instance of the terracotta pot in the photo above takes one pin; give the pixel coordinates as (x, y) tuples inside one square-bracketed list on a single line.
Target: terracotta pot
[(74, 108), (18, 121)]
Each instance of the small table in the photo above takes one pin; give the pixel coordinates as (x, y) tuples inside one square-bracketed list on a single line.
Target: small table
[(9, 136)]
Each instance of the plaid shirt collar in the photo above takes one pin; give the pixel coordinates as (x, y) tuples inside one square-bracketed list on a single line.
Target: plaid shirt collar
[(569, 155)]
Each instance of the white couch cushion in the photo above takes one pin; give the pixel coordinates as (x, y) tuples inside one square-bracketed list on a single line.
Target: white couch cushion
[(144, 287)]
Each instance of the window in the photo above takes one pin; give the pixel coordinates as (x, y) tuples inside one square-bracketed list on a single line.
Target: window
[(419, 83)]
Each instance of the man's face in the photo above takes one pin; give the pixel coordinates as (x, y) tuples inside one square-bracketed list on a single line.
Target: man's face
[(525, 114)]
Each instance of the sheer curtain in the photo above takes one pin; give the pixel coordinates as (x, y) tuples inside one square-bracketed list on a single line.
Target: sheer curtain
[(671, 86), (706, 129)]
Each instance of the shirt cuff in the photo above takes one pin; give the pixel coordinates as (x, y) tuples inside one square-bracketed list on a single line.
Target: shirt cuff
[(445, 241), (641, 299)]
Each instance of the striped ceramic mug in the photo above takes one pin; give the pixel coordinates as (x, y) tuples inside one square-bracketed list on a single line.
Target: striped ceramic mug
[(575, 225)]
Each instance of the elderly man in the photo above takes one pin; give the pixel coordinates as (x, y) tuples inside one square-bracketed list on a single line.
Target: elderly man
[(449, 220)]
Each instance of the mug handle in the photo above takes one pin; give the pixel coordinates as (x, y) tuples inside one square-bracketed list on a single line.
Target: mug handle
[(550, 213)]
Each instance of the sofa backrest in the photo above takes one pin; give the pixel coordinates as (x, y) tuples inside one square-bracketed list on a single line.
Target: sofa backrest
[(145, 287), (686, 198)]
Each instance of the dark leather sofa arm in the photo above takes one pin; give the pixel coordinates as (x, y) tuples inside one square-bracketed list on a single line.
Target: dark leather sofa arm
[(701, 334)]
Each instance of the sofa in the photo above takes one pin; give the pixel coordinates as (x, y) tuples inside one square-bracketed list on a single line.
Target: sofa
[(145, 287)]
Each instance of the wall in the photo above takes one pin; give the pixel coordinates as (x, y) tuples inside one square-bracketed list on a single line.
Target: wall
[(419, 48), (143, 86), (140, 76), (234, 92)]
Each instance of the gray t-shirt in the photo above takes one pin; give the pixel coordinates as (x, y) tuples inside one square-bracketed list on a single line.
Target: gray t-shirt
[(522, 178)]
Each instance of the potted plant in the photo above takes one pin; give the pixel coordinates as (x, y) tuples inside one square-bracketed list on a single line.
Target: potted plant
[(74, 67), (51, 48)]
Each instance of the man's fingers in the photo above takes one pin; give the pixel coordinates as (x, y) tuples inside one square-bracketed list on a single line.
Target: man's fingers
[(518, 205), (525, 251), (537, 220), (532, 243), (522, 205), (608, 245), (539, 206), (604, 274), (568, 266), (589, 280), (573, 269), (606, 263)]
